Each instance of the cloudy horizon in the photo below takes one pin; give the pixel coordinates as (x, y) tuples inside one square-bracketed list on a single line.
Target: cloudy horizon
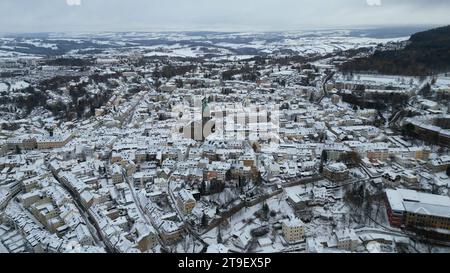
[(217, 15)]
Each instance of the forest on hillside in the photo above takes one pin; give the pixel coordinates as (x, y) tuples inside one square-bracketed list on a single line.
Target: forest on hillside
[(427, 53)]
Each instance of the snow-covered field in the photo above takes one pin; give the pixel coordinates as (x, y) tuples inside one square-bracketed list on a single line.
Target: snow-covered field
[(18, 85), (3, 87), (189, 44), (4, 54), (383, 79), (177, 52), (233, 58), (39, 43), (299, 45), (442, 82)]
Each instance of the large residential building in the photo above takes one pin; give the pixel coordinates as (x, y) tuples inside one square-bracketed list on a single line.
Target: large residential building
[(336, 172), (293, 230), (47, 142), (415, 209), (186, 201), (116, 174), (347, 239)]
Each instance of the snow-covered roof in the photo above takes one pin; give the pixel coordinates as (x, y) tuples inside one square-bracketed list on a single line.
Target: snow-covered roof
[(217, 248), (293, 222), (337, 167), (419, 202)]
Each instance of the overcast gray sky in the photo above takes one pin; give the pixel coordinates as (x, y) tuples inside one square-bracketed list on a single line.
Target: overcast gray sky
[(226, 15)]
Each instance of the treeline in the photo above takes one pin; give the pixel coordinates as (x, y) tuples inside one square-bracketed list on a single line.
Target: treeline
[(83, 102), (376, 101), (70, 62), (57, 82), (427, 53), (170, 71), (247, 73), (62, 47), (32, 97), (285, 60)]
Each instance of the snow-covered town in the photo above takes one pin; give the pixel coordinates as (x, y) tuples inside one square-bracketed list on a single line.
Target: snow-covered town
[(219, 143)]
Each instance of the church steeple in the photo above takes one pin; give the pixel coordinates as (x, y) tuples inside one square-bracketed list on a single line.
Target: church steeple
[(206, 113)]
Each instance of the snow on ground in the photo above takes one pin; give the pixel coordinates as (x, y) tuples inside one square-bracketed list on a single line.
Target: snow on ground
[(3, 87), (233, 58), (39, 43), (312, 45), (278, 244), (299, 44), (19, 85), (186, 52), (383, 79), (4, 54), (179, 52), (386, 79), (245, 220), (154, 53), (442, 82), (3, 249), (192, 52), (279, 204), (231, 45), (318, 229)]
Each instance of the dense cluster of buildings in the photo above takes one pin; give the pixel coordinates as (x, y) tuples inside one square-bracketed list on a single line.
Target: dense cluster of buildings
[(193, 163)]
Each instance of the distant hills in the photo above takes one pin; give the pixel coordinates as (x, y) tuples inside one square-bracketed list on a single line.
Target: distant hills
[(427, 52)]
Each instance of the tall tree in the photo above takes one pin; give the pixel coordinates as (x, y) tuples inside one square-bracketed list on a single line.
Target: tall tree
[(204, 220)]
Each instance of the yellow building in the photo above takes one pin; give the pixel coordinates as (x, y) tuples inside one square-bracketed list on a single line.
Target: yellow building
[(378, 154), (422, 219), (293, 230), (418, 209), (47, 215), (44, 143), (3, 148), (347, 239), (116, 174), (186, 201), (170, 231), (116, 157)]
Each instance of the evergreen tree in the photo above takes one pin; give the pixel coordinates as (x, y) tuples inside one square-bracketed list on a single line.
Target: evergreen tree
[(204, 220), (265, 209), (203, 187), (219, 236)]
